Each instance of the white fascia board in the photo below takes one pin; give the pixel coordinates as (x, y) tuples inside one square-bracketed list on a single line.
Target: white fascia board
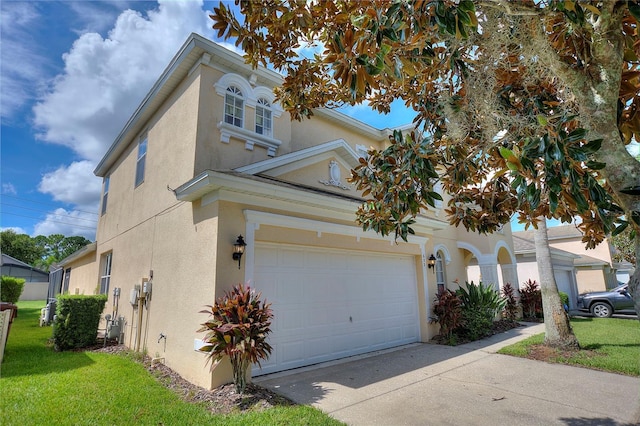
[(338, 145)]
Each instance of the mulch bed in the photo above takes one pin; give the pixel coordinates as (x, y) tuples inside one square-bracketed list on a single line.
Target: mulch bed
[(222, 400), (498, 327)]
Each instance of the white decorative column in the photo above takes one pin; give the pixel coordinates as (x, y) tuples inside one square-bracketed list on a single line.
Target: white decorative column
[(489, 270), (510, 274)]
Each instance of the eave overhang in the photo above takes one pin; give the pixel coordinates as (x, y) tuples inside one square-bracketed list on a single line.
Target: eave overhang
[(212, 185)]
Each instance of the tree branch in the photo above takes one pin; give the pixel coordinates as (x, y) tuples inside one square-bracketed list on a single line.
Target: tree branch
[(510, 8)]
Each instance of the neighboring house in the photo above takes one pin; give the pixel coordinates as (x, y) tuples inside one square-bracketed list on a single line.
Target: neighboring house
[(209, 156), (594, 268), (36, 280), (563, 267)]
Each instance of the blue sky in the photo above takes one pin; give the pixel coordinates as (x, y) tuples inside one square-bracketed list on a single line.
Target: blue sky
[(71, 74)]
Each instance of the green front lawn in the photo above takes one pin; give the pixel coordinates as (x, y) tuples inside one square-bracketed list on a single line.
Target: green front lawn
[(40, 386), (608, 344)]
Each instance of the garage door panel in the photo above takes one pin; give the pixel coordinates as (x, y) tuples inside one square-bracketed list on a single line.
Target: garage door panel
[(330, 304)]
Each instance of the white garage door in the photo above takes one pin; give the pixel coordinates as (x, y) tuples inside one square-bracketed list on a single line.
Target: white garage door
[(329, 304)]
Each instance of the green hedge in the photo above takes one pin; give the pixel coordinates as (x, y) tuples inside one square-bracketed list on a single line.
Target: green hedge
[(76, 322), (11, 289)]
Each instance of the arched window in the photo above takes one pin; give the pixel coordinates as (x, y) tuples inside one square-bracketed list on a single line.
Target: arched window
[(441, 279), (263, 117), (233, 106)]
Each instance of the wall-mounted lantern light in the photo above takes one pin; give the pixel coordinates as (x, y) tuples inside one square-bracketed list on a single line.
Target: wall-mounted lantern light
[(432, 263), (238, 249)]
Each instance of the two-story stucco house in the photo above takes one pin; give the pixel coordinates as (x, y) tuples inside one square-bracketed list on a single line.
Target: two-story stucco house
[(208, 156)]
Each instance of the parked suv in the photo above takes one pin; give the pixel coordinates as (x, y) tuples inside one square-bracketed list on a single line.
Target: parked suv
[(603, 304)]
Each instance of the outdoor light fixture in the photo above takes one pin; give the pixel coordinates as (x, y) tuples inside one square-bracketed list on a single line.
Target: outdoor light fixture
[(238, 249), (432, 263)]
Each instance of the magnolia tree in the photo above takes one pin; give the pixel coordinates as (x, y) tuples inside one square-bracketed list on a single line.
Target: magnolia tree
[(522, 107)]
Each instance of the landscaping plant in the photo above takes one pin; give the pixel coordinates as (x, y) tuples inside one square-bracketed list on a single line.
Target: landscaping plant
[(76, 321), (531, 300), (511, 303), (447, 311), (480, 306), (239, 325), (11, 289)]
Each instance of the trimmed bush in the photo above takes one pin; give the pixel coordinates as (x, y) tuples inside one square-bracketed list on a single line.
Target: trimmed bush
[(77, 319), (564, 298), (11, 288)]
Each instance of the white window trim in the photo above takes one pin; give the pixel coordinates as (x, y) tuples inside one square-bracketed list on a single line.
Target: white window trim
[(144, 158), (265, 105), (107, 260), (237, 97), (105, 195)]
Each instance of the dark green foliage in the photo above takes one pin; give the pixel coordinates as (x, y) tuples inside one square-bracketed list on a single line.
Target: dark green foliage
[(480, 306), (531, 300), (564, 298), (477, 325), (239, 325), (468, 313), (76, 322), (447, 310), (511, 303), (11, 289)]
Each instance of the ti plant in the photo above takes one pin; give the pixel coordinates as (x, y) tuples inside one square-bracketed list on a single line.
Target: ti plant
[(511, 305), (531, 300), (238, 328)]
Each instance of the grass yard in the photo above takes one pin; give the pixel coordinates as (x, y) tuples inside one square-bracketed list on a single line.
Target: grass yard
[(40, 386), (608, 344)]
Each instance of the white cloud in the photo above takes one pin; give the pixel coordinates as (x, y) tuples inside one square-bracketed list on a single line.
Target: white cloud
[(74, 184), (8, 188), (104, 79), (69, 223), (22, 66)]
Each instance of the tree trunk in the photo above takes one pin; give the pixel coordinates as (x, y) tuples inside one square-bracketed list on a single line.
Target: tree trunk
[(558, 332), (634, 282), (240, 365)]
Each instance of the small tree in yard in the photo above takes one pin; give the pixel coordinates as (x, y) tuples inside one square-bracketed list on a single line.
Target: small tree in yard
[(238, 328)]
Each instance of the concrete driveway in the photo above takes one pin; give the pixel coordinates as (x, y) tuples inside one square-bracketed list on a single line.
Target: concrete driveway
[(427, 384)]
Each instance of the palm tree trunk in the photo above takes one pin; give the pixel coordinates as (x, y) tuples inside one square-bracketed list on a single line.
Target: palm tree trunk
[(558, 332)]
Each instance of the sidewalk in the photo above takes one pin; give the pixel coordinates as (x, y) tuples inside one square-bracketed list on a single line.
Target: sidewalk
[(427, 384)]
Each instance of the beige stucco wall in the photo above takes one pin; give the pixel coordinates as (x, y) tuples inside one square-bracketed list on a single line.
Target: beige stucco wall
[(320, 129), (590, 280), (601, 251), (84, 277), (185, 248), (171, 135)]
